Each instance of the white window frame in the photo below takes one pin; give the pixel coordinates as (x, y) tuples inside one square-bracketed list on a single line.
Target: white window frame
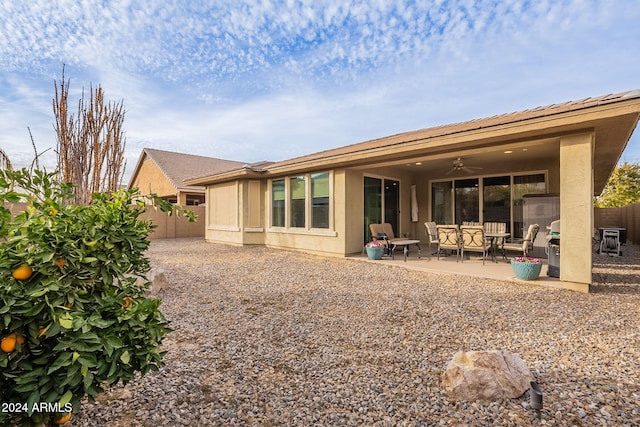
[(307, 229)]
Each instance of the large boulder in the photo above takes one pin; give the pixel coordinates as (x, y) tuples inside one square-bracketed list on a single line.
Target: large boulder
[(486, 375)]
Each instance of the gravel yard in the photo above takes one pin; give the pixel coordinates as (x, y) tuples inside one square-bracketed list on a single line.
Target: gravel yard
[(270, 338)]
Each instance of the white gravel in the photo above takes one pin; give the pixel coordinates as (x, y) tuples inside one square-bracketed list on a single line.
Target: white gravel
[(269, 338)]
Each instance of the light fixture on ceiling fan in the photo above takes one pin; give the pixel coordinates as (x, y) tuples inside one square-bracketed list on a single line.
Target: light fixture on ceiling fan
[(458, 165)]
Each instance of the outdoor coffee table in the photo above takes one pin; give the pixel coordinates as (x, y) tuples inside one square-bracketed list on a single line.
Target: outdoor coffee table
[(405, 244)]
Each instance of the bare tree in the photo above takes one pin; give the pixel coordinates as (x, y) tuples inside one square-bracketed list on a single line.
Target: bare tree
[(90, 145), (5, 164)]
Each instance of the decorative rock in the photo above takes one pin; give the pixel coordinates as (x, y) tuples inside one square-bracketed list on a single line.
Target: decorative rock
[(486, 375), (158, 281)]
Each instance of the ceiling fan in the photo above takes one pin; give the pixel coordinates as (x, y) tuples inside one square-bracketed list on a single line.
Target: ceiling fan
[(458, 165)]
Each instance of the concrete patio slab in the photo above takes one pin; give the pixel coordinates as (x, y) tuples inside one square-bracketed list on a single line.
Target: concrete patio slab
[(471, 266)]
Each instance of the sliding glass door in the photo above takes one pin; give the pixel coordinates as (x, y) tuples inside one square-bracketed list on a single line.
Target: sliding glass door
[(442, 202), (496, 200), (487, 199), (467, 200), (381, 203)]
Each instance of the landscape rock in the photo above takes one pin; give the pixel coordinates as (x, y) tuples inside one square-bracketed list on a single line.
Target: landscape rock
[(486, 375), (158, 281)]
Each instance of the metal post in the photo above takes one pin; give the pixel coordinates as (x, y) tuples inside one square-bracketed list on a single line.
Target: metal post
[(535, 395)]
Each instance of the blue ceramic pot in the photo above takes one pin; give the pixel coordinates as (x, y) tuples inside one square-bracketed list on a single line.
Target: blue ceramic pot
[(526, 270), (375, 252)]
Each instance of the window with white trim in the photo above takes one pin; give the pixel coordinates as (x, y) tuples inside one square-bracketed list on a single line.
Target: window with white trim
[(301, 202)]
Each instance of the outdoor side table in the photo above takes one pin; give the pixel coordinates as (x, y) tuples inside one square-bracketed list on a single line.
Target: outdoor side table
[(493, 237), (405, 244)]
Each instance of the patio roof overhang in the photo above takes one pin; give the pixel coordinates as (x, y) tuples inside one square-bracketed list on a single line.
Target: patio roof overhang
[(611, 118)]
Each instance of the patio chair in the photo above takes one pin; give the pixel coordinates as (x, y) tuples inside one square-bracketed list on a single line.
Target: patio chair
[(473, 240), (610, 242), (496, 227), (526, 244), (449, 239), (385, 233), (432, 234)]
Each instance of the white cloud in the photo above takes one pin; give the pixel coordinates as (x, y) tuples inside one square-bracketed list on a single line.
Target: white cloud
[(266, 79)]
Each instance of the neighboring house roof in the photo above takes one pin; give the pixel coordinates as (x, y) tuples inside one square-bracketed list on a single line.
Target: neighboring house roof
[(608, 115), (179, 167)]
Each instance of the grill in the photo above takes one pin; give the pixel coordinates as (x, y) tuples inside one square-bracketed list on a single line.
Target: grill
[(553, 249)]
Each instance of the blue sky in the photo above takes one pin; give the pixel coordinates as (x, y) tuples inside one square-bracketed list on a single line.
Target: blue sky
[(270, 80)]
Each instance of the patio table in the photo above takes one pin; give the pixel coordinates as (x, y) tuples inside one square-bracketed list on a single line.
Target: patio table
[(405, 243), (493, 237)]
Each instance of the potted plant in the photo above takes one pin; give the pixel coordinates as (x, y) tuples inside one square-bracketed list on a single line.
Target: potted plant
[(526, 268), (375, 249)]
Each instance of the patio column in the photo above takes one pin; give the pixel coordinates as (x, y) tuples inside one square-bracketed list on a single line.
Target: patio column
[(576, 210)]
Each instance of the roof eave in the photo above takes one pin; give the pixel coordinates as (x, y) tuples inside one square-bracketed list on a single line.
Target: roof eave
[(243, 173), (547, 126)]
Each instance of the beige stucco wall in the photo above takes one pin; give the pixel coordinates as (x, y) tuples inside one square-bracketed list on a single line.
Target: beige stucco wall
[(253, 194), (150, 179), (222, 222), (576, 208), (353, 202), (174, 226)]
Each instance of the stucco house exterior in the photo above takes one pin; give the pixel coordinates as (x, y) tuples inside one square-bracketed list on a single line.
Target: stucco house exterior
[(164, 172), (475, 170)]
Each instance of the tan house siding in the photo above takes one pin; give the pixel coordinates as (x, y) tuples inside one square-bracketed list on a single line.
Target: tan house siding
[(150, 179), (253, 211), (222, 207)]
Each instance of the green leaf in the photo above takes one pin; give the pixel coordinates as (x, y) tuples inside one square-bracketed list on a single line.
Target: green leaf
[(34, 397), (88, 380), (47, 256), (125, 357), (12, 197), (66, 323), (63, 360), (40, 293), (66, 398), (99, 322)]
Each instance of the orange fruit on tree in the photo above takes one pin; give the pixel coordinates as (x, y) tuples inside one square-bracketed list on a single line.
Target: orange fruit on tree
[(127, 302), (8, 343), (23, 272), (60, 262), (62, 418), (20, 339)]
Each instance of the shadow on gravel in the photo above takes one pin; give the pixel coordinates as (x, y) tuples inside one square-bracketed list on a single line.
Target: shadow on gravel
[(617, 275)]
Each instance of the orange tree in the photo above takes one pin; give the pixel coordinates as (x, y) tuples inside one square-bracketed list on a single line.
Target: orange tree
[(72, 296)]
